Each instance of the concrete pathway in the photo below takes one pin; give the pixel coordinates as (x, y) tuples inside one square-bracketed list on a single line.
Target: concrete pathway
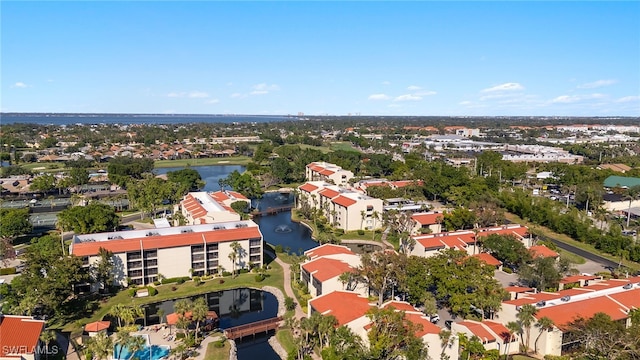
[(286, 269)]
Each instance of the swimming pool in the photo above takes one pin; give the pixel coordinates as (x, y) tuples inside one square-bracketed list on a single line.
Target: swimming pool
[(149, 352)]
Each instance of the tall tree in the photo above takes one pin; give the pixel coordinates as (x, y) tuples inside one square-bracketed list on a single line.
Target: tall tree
[(102, 271), (392, 336), (526, 317), (101, 346), (544, 324), (382, 271), (199, 311), (93, 218)]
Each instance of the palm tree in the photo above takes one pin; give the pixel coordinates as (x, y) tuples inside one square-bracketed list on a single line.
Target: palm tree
[(526, 316), (545, 324), (514, 328), (199, 311), (123, 337), (235, 255), (445, 340), (180, 351), (363, 215), (47, 337), (374, 216), (632, 194), (101, 346)]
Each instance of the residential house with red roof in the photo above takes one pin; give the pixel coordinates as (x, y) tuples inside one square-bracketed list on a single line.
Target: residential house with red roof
[(208, 208), (427, 222), (326, 264), (489, 260), (614, 297), (427, 245), (20, 338), (140, 255), (493, 335), (538, 251), (327, 172)]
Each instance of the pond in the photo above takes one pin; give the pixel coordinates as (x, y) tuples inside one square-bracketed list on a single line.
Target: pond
[(234, 307), (210, 174)]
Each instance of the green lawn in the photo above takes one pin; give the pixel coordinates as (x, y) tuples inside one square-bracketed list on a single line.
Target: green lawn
[(567, 240), (275, 278), (285, 338), (233, 160), (342, 145), (217, 353), (575, 259)]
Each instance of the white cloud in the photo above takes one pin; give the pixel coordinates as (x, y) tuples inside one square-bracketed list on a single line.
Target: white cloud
[(379, 97), (263, 88), (20, 84), (394, 105), (192, 94), (198, 95), (386, 83), (568, 99), (414, 88), (237, 96), (466, 102), (424, 93), (212, 101), (408, 97), (628, 99), (504, 87), (597, 84)]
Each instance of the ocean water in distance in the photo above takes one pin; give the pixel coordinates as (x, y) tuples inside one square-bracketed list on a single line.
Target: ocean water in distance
[(88, 119)]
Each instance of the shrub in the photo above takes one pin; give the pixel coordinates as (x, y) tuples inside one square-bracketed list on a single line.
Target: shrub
[(244, 271), (360, 232), (219, 344), (339, 231), (156, 283), (279, 249), (132, 292), (289, 304), (507, 270), (221, 281), (152, 291), (197, 280), (259, 278), (174, 288), (180, 281), (8, 271), (226, 273)]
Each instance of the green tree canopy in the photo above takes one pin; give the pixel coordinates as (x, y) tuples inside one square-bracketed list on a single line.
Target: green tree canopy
[(93, 218), (14, 222), (189, 178), (507, 249)]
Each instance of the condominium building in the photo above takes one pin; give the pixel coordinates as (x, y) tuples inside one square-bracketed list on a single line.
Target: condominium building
[(140, 256), (614, 297), (344, 208), (327, 172), (20, 338), (208, 208), (321, 273)]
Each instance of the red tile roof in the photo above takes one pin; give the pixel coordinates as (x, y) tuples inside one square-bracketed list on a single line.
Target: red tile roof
[(577, 278), (343, 201), (427, 219), (19, 335), (226, 195), (517, 231), (498, 329), (563, 314), (629, 298), (327, 172), (165, 241), (346, 306), (542, 251), (324, 269), (488, 259), (518, 289), (328, 193), (427, 326), (478, 330), (308, 187), (403, 183), (97, 326), (193, 206), (399, 305), (328, 249)]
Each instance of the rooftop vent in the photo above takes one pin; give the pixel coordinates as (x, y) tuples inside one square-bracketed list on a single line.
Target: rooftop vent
[(183, 231), (628, 286), (565, 298), (541, 303)]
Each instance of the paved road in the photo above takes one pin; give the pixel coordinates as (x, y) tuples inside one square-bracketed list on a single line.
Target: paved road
[(585, 254)]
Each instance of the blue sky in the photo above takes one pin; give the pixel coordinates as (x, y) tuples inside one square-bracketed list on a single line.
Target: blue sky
[(369, 58)]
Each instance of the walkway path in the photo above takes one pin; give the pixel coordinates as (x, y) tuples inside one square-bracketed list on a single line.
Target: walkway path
[(286, 269)]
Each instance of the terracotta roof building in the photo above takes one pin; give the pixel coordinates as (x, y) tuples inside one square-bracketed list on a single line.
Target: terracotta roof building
[(19, 337), (327, 172), (141, 255)]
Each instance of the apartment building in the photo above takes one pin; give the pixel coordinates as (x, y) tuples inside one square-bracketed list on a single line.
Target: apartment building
[(350, 309), (429, 222), (327, 172), (345, 209), (493, 335), (20, 338), (208, 208), (614, 297), (465, 240), (141, 255), (321, 273)]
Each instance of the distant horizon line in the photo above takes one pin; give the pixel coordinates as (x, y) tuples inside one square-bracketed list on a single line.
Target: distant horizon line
[(305, 115)]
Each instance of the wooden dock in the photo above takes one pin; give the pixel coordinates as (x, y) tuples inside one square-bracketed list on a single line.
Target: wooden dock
[(272, 210), (253, 328)]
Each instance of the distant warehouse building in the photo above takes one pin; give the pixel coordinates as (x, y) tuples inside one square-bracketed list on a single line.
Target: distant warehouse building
[(140, 255)]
